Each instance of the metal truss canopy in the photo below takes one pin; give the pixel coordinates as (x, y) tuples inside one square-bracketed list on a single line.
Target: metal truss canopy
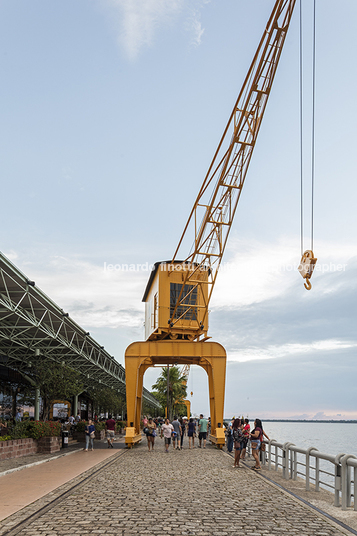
[(32, 324)]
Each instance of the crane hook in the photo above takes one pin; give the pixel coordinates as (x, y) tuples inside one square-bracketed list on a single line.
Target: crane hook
[(306, 267), (307, 284)]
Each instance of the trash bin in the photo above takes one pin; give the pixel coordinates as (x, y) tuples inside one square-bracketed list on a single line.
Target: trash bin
[(65, 435)]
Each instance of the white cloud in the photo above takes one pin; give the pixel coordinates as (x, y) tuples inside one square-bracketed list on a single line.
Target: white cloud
[(139, 20), (93, 296), (194, 27), (259, 271), (287, 350)]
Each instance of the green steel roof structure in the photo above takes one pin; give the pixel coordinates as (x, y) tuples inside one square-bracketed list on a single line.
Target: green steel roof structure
[(32, 324)]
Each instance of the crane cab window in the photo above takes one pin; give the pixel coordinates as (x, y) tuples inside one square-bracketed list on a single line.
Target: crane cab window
[(189, 313)]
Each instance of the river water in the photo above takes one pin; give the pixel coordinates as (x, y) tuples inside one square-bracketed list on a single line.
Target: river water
[(329, 438)]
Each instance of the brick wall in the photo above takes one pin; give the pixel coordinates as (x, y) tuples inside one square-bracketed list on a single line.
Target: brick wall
[(49, 444), (23, 447), (17, 447)]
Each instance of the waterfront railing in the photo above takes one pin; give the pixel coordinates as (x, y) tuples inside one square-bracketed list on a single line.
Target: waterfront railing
[(333, 473)]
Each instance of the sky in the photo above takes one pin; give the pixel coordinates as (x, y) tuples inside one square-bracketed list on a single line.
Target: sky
[(111, 111)]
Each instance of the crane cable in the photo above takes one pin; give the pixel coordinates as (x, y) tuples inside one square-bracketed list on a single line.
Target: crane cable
[(308, 260), (313, 126), (301, 138)]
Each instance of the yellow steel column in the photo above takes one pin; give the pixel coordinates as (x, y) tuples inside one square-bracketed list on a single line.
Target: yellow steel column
[(217, 380), (188, 407), (134, 375)]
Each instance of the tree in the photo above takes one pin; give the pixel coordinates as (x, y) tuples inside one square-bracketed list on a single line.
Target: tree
[(55, 382), (177, 389), (107, 400)]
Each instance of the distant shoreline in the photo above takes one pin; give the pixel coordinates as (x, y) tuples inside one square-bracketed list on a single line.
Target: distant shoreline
[(305, 420), (308, 420)]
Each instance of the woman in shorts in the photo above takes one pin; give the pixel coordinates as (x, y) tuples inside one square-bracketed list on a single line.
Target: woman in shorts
[(151, 433), (256, 438), (167, 430), (246, 432), (237, 424)]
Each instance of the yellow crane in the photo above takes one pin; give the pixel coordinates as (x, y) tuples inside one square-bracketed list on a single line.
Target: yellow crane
[(178, 292)]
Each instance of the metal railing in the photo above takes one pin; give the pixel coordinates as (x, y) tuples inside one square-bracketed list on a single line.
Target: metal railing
[(333, 473)]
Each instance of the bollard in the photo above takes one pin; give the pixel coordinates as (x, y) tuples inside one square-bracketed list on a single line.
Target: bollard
[(65, 435)]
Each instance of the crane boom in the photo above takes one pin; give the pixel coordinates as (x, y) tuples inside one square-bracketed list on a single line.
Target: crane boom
[(222, 186), (178, 293)]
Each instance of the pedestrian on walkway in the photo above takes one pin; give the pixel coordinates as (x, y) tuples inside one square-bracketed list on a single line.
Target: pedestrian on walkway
[(167, 430), (229, 435), (256, 438), (177, 428), (151, 433), (246, 432), (202, 431), (238, 440), (191, 432), (89, 434), (182, 422), (110, 428)]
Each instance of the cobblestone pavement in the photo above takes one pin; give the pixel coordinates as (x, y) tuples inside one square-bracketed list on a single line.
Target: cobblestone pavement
[(189, 492)]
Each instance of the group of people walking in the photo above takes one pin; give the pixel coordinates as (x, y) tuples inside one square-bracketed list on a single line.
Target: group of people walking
[(174, 432), (238, 434)]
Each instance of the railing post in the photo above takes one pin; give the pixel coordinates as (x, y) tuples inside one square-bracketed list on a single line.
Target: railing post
[(291, 467), (276, 458), (263, 456), (295, 466), (286, 459), (269, 453), (346, 481), (355, 489), (317, 475), (307, 475), (338, 487)]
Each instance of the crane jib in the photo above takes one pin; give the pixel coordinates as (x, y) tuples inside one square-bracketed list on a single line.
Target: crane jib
[(186, 303)]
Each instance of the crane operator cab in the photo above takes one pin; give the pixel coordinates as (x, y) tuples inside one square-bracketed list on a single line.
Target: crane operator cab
[(176, 301)]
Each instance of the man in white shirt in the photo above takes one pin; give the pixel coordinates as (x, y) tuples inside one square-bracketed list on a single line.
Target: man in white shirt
[(167, 430)]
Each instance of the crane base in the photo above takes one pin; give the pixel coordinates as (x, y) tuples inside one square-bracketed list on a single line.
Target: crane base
[(131, 437), (218, 439)]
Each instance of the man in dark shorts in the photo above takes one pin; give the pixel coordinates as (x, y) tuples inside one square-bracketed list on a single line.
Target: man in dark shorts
[(202, 431), (110, 427)]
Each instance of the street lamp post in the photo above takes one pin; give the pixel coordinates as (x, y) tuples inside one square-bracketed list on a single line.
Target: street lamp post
[(167, 392)]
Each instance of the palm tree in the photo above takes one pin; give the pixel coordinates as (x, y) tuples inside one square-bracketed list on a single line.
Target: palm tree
[(177, 388)]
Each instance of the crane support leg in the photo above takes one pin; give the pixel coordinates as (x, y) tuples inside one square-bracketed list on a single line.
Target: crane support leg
[(139, 356), (188, 406)]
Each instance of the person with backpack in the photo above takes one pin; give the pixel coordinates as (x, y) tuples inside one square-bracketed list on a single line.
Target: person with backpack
[(238, 438)]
